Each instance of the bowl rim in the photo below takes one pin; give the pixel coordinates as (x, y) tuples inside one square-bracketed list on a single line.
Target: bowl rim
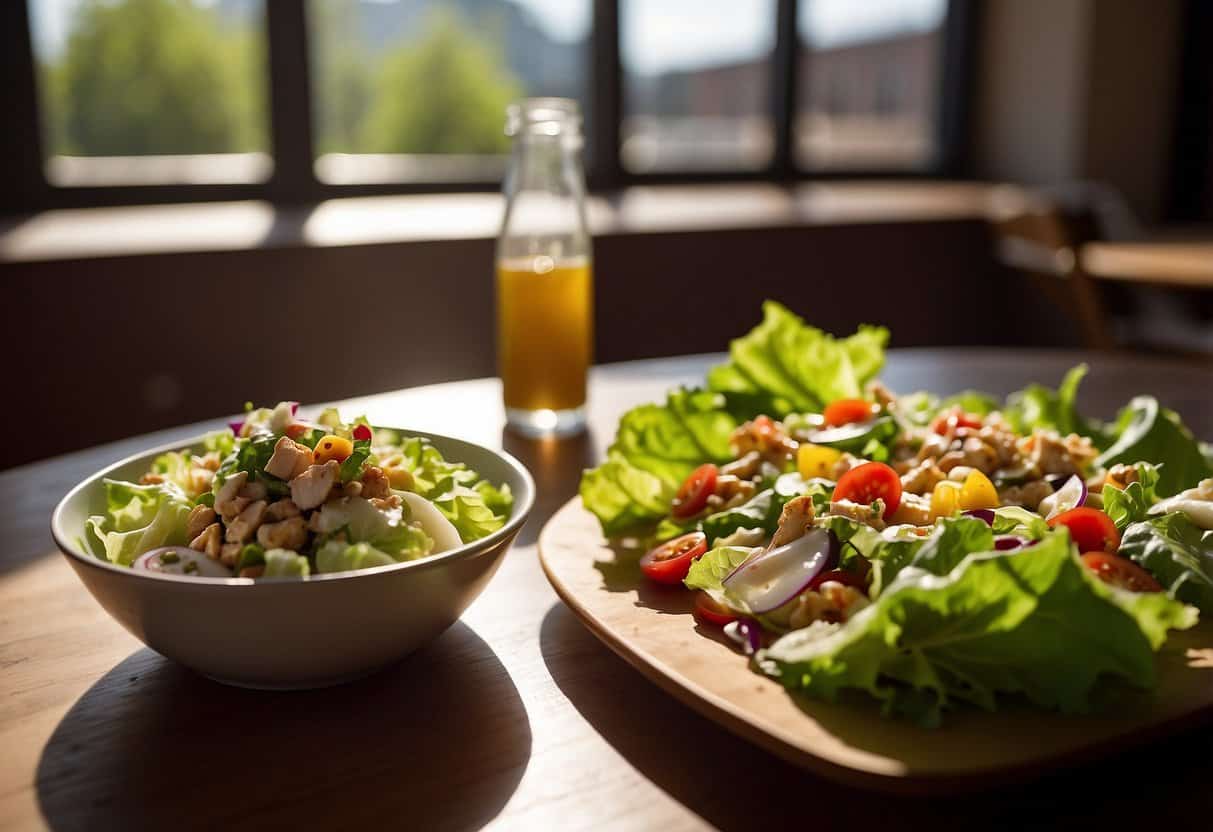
[(522, 509)]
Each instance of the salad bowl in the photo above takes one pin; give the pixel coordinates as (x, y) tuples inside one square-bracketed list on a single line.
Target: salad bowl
[(294, 633)]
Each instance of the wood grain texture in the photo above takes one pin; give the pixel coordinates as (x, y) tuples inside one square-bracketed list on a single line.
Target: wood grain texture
[(653, 629), (1188, 264), (516, 718)]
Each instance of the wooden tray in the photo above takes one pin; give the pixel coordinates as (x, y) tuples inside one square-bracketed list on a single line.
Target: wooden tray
[(652, 628)]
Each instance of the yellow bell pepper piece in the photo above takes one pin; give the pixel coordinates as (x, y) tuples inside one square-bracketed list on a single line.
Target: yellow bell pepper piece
[(978, 492), (333, 447), (816, 460), (945, 499)]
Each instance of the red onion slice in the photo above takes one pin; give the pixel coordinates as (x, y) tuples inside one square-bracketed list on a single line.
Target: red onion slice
[(747, 633), (236, 426), (842, 433), (1072, 494), (985, 514), (776, 577), (1005, 542), (179, 557)]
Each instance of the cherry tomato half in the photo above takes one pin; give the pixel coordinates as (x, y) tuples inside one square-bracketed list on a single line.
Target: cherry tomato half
[(362, 432), (1090, 529), (842, 576), (710, 611), (845, 411), (869, 482), (957, 418), (1121, 572), (695, 490), (669, 562)]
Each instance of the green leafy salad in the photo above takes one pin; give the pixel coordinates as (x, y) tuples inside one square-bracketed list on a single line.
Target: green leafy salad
[(277, 496), (925, 551)]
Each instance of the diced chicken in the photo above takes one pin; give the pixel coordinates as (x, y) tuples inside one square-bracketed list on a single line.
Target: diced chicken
[(922, 478), (1028, 495), (975, 453), (254, 491), (311, 488), (730, 491), (375, 483), (883, 395), (914, 509), (749, 466), (210, 461), (208, 541), (860, 512), (389, 502), (845, 463), (765, 436), (151, 479), (281, 510), (1051, 454), (199, 479), (795, 519), (353, 488), (1120, 476), (289, 460), (246, 522), (285, 534), (228, 493), (229, 553), (832, 601), (200, 517)]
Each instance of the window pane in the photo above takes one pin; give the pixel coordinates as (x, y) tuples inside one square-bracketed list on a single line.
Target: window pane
[(151, 78), (696, 84), (431, 80), (869, 83)]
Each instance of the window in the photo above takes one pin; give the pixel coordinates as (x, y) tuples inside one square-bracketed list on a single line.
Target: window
[(697, 75), (408, 91), (870, 82), (302, 100), (150, 91)]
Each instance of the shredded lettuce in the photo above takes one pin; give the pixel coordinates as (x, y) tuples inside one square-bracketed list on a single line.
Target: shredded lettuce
[(1147, 431), (337, 556), (1036, 406), (1178, 553), (138, 518), (283, 563), (387, 531), (714, 565), (988, 627), (469, 513), (1132, 503)]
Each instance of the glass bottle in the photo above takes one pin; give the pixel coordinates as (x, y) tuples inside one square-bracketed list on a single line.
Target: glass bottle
[(544, 280)]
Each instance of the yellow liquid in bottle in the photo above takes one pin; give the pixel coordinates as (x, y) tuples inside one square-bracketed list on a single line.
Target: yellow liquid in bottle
[(544, 331)]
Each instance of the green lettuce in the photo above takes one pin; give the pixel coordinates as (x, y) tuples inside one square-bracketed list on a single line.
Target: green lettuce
[(138, 518), (283, 563), (338, 556), (714, 565), (387, 531), (1132, 503), (789, 365), (987, 628), (432, 474), (1178, 553), (469, 513), (623, 497), (1147, 431), (1036, 406)]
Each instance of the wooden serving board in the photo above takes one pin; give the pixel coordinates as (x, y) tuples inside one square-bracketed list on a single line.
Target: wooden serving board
[(652, 628)]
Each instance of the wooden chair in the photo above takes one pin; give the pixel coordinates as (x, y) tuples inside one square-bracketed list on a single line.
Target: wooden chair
[(1035, 237)]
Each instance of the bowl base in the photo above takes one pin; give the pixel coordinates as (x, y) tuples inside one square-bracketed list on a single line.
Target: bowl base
[(306, 684)]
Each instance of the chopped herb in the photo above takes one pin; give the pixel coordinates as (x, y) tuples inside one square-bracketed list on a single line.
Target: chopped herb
[(190, 568), (170, 557), (353, 463)]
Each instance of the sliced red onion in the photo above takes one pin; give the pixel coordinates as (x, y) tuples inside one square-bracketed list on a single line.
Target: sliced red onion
[(842, 433), (776, 577), (1005, 542), (175, 560), (1056, 481), (294, 408), (1071, 495), (236, 426), (985, 514), (747, 633)]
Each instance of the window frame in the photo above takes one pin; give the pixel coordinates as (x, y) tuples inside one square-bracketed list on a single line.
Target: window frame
[(294, 179)]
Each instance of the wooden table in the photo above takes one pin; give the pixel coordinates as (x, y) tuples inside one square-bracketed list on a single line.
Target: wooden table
[(516, 717), (1182, 264)]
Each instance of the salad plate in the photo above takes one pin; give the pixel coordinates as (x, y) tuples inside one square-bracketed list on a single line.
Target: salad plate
[(893, 586)]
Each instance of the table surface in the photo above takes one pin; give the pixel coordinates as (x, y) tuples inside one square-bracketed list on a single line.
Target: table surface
[(517, 717), (1172, 263)]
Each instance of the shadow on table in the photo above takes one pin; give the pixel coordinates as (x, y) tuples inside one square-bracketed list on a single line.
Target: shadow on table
[(733, 784), (556, 465), (439, 741)]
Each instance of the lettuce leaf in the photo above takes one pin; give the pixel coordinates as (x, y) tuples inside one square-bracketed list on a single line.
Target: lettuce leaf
[(989, 627), (714, 565), (138, 518), (283, 563), (386, 530), (338, 556), (1036, 406), (1178, 553), (432, 474), (1132, 503), (623, 497), (793, 366), (469, 513), (1147, 431)]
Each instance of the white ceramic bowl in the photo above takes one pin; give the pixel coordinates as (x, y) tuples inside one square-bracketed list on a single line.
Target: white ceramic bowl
[(293, 633)]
